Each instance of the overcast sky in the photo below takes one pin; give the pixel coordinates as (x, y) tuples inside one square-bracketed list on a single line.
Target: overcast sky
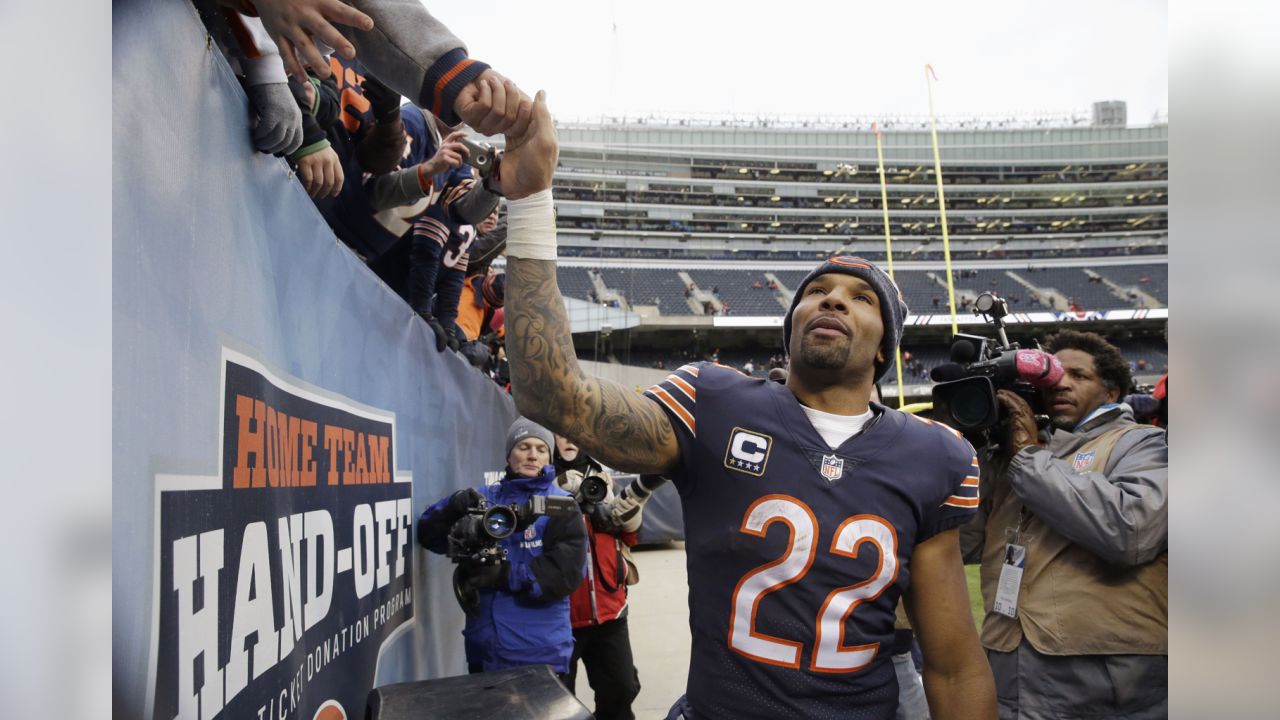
[(807, 58)]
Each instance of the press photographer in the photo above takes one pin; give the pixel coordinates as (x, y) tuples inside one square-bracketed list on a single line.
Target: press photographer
[(1071, 533), (598, 607), (520, 545)]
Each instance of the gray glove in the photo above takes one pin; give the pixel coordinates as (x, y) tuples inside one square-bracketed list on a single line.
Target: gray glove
[(279, 128)]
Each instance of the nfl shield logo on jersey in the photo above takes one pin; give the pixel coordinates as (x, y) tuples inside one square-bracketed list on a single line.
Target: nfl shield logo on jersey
[(832, 467), (1083, 461)]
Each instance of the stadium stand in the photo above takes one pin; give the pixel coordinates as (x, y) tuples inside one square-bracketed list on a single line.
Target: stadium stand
[(641, 286), (575, 282), (1131, 276), (738, 289)]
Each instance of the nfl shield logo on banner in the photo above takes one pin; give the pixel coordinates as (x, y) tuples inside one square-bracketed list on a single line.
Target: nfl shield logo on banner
[(832, 467), (1083, 461)]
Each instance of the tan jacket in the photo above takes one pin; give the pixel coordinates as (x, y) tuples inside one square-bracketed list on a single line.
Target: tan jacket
[(1091, 509)]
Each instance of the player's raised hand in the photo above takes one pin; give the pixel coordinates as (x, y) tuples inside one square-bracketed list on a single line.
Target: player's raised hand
[(491, 103), (295, 24), (529, 159)]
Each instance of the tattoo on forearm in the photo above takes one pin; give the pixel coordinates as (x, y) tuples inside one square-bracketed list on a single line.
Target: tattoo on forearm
[(613, 424)]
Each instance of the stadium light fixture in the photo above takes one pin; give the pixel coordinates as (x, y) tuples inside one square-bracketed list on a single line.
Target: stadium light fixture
[(743, 171), (774, 171), (775, 223), (775, 198)]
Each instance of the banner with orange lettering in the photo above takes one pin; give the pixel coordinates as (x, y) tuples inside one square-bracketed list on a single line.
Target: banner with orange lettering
[(282, 577)]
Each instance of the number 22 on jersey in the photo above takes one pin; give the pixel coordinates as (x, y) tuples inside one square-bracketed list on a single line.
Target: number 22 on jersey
[(830, 655)]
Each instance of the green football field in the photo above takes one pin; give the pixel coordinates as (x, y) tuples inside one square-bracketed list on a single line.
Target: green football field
[(975, 594)]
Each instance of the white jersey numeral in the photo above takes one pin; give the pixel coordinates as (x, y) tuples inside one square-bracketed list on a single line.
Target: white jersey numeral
[(830, 655), (771, 576)]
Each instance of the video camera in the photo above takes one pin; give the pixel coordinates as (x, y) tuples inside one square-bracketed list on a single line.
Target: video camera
[(965, 396), (474, 537)]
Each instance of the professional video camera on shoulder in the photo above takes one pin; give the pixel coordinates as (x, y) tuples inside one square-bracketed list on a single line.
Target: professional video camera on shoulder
[(474, 537), (965, 396)]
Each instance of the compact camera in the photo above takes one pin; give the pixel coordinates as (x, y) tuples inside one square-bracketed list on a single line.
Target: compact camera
[(485, 159)]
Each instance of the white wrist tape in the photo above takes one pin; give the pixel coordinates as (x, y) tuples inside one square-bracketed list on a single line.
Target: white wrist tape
[(531, 227)]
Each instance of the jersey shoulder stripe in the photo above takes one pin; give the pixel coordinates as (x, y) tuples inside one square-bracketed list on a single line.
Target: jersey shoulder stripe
[(679, 395), (966, 495)]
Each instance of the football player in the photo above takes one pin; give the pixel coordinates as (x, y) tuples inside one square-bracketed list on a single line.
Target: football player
[(809, 510)]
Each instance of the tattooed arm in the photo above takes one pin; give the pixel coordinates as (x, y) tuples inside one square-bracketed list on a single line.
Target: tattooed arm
[(611, 422)]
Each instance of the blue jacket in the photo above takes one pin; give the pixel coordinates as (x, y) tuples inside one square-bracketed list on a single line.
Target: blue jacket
[(526, 623)]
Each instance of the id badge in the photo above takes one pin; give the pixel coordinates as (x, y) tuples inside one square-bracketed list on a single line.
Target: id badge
[(1015, 559)]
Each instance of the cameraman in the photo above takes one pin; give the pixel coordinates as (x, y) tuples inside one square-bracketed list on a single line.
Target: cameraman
[(598, 608), (523, 612), (1074, 548)]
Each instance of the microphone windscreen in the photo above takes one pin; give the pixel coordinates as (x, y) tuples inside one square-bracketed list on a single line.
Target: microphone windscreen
[(1039, 368), (947, 372), (963, 351)]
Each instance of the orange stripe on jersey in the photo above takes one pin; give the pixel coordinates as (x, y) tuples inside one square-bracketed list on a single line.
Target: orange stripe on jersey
[(691, 369), (665, 398), (685, 387), (955, 501), (970, 481)]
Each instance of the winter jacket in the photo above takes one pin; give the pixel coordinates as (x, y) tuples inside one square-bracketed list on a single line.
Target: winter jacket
[(602, 596), (526, 623), (1091, 509)]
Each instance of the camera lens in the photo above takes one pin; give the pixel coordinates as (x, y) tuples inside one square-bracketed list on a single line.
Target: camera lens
[(593, 489), (499, 522), (970, 406)]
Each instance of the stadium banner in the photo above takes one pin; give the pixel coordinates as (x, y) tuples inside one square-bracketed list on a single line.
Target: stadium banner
[(280, 419), (292, 559)]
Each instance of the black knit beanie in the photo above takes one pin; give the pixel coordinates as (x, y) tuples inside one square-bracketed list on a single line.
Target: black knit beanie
[(893, 307)]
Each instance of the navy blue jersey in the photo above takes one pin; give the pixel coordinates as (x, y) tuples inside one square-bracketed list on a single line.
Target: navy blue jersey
[(797, 554)]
